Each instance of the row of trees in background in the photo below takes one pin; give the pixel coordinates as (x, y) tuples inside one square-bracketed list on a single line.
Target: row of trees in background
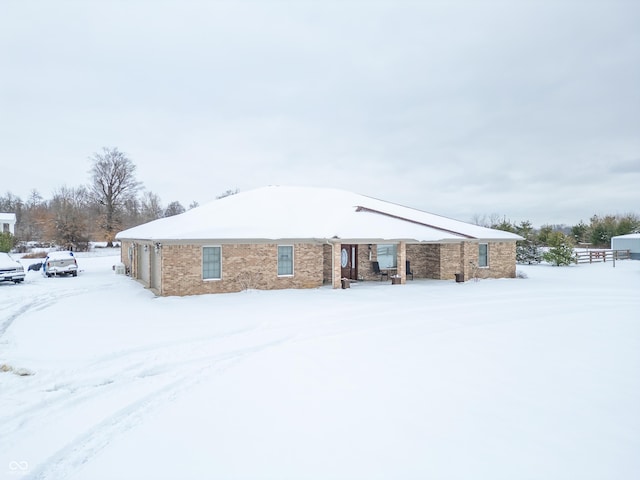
[(112, 201), (556, 243)]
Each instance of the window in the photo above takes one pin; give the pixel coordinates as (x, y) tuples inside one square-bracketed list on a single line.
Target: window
[(387, 256), (211, 263), (285, 260), (483, 255)]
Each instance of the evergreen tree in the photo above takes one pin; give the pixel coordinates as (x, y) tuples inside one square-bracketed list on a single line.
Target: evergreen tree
[(580, 232), (628, 224), (544, 234), (561, 251), (7, 241), (602, 229), (527, 250), (504, 225)]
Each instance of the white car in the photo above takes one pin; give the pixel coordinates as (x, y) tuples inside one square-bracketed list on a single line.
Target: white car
[(10, 270), (60, 263)]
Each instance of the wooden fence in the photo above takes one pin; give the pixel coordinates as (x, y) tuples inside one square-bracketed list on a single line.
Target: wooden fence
[(592, 256)]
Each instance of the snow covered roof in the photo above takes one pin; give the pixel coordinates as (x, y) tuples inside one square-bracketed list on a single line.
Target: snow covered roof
[(630, 235), (280, 212)]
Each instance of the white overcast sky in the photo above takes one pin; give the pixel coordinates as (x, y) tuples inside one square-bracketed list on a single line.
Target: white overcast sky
[(527, 109)]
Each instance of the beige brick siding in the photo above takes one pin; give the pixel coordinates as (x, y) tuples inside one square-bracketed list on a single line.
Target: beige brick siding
[(244, 266), (326, 264), (254, 266), (124, 254), (502, 260), (401, 261), (443, 261), (365, 270), (424, 259)]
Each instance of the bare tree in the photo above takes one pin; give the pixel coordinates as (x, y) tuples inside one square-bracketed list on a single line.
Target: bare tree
[(34, 218), (69, 224), (227, 193), (113, 184), (486, 220), (174, 208), (151, 207)]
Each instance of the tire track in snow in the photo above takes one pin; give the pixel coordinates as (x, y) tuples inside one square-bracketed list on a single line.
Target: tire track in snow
[(140, 363), (41, 302), (86, 445), (33, 305)]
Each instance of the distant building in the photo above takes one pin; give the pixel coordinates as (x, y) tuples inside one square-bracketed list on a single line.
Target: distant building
[(8, 223), (629, 242), (293, 237)]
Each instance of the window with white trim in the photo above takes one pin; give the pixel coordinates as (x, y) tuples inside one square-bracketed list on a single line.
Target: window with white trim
[(483, 255), (211, 263), (285, 260)]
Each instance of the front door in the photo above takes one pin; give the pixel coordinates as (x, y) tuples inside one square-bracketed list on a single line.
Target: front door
[(349, 261)]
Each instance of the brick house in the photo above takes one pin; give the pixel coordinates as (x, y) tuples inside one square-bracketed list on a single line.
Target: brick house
[(297, 237)]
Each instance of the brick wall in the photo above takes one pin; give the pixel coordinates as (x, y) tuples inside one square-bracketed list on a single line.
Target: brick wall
[(365, 257), (417, 255), (254, 266), (502, 260), (443, 261), (124, 254), (244, 266), (327, 264)]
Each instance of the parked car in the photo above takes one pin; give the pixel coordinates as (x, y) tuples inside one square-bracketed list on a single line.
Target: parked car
[(10, 269), (60, 263)]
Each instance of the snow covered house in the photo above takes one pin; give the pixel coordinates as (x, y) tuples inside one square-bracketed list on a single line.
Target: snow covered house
[(7, 223), (299, 237)]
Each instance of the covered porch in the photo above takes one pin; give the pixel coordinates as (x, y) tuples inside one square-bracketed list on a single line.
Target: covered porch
[(460, 260)]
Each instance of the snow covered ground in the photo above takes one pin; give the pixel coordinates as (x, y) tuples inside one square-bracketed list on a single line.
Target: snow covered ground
[(535, 378)]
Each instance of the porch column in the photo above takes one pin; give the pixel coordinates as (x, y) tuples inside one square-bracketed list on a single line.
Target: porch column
[(336, 280), (401, 260), (466, 258)]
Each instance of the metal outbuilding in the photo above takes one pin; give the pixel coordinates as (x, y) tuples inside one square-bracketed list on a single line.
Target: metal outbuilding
[(629, 242)]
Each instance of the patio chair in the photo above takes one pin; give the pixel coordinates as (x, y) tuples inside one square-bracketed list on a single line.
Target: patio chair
[(377, 271), (408, 271)]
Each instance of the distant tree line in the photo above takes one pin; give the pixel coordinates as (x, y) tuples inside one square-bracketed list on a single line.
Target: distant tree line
[(112, 200), (555, 243)]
